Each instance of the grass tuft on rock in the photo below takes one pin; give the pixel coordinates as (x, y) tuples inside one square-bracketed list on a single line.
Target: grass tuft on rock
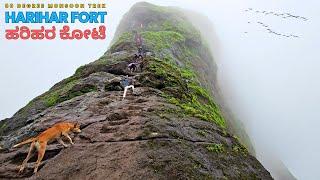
[(217, 148)]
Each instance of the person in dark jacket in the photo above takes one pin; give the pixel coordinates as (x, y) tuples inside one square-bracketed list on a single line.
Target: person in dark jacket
[(133, 67)]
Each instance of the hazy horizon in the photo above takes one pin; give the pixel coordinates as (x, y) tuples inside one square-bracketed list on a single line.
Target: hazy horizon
[(269, 82)]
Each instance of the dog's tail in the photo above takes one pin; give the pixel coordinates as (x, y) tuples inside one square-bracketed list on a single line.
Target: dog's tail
[(25, 142)]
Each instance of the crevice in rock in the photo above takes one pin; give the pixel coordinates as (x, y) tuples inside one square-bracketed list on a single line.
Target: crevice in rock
[(143, 139)]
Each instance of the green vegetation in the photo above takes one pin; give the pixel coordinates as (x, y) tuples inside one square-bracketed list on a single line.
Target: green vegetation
[(239, 149), (167, 39), (197, 165), (161, 40), (62, 91), (166, 70), (207, 112), (65, 93), (78, 71), (202, 132), (191, 97), (177, 23), (218, 148), (126, 37), (171, 36), (187, 73), (2, 127), (183, 27), (54, 97)]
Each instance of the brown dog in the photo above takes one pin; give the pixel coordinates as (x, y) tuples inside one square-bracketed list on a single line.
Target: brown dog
[(40, 142)]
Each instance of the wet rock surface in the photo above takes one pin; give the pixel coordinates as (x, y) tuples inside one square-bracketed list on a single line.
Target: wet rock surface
[(155, 133), (132, 139)]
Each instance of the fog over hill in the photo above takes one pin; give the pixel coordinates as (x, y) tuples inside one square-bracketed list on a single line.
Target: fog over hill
[(268, 82)]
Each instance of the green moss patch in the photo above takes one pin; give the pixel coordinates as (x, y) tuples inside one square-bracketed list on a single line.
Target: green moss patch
[(161, 40), (68, 91), (186, 91), (217, 148), (202, 133), (240, 149), (125, 38)]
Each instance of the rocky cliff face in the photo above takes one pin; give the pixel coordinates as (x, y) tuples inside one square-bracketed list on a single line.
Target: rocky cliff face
[(168, 128)]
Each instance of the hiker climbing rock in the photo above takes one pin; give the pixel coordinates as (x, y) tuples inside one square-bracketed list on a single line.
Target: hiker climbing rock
[(137, 56), (141, 52), (138, 61), (126, 83), (133, 66)]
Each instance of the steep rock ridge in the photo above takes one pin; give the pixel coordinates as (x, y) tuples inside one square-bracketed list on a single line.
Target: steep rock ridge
[(168, 128), (179, 20), (169, 34), (208, 34)]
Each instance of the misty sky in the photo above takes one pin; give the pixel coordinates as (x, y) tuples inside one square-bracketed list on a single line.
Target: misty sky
[(271, 83)]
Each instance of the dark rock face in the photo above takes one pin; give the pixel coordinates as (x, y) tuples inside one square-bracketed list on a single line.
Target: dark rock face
[(157, 132), (134, 139)]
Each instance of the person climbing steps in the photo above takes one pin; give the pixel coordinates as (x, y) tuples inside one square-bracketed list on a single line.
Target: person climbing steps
[(141, 52), (138, 59), (133, 67), (126, 83), (135, 58)]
